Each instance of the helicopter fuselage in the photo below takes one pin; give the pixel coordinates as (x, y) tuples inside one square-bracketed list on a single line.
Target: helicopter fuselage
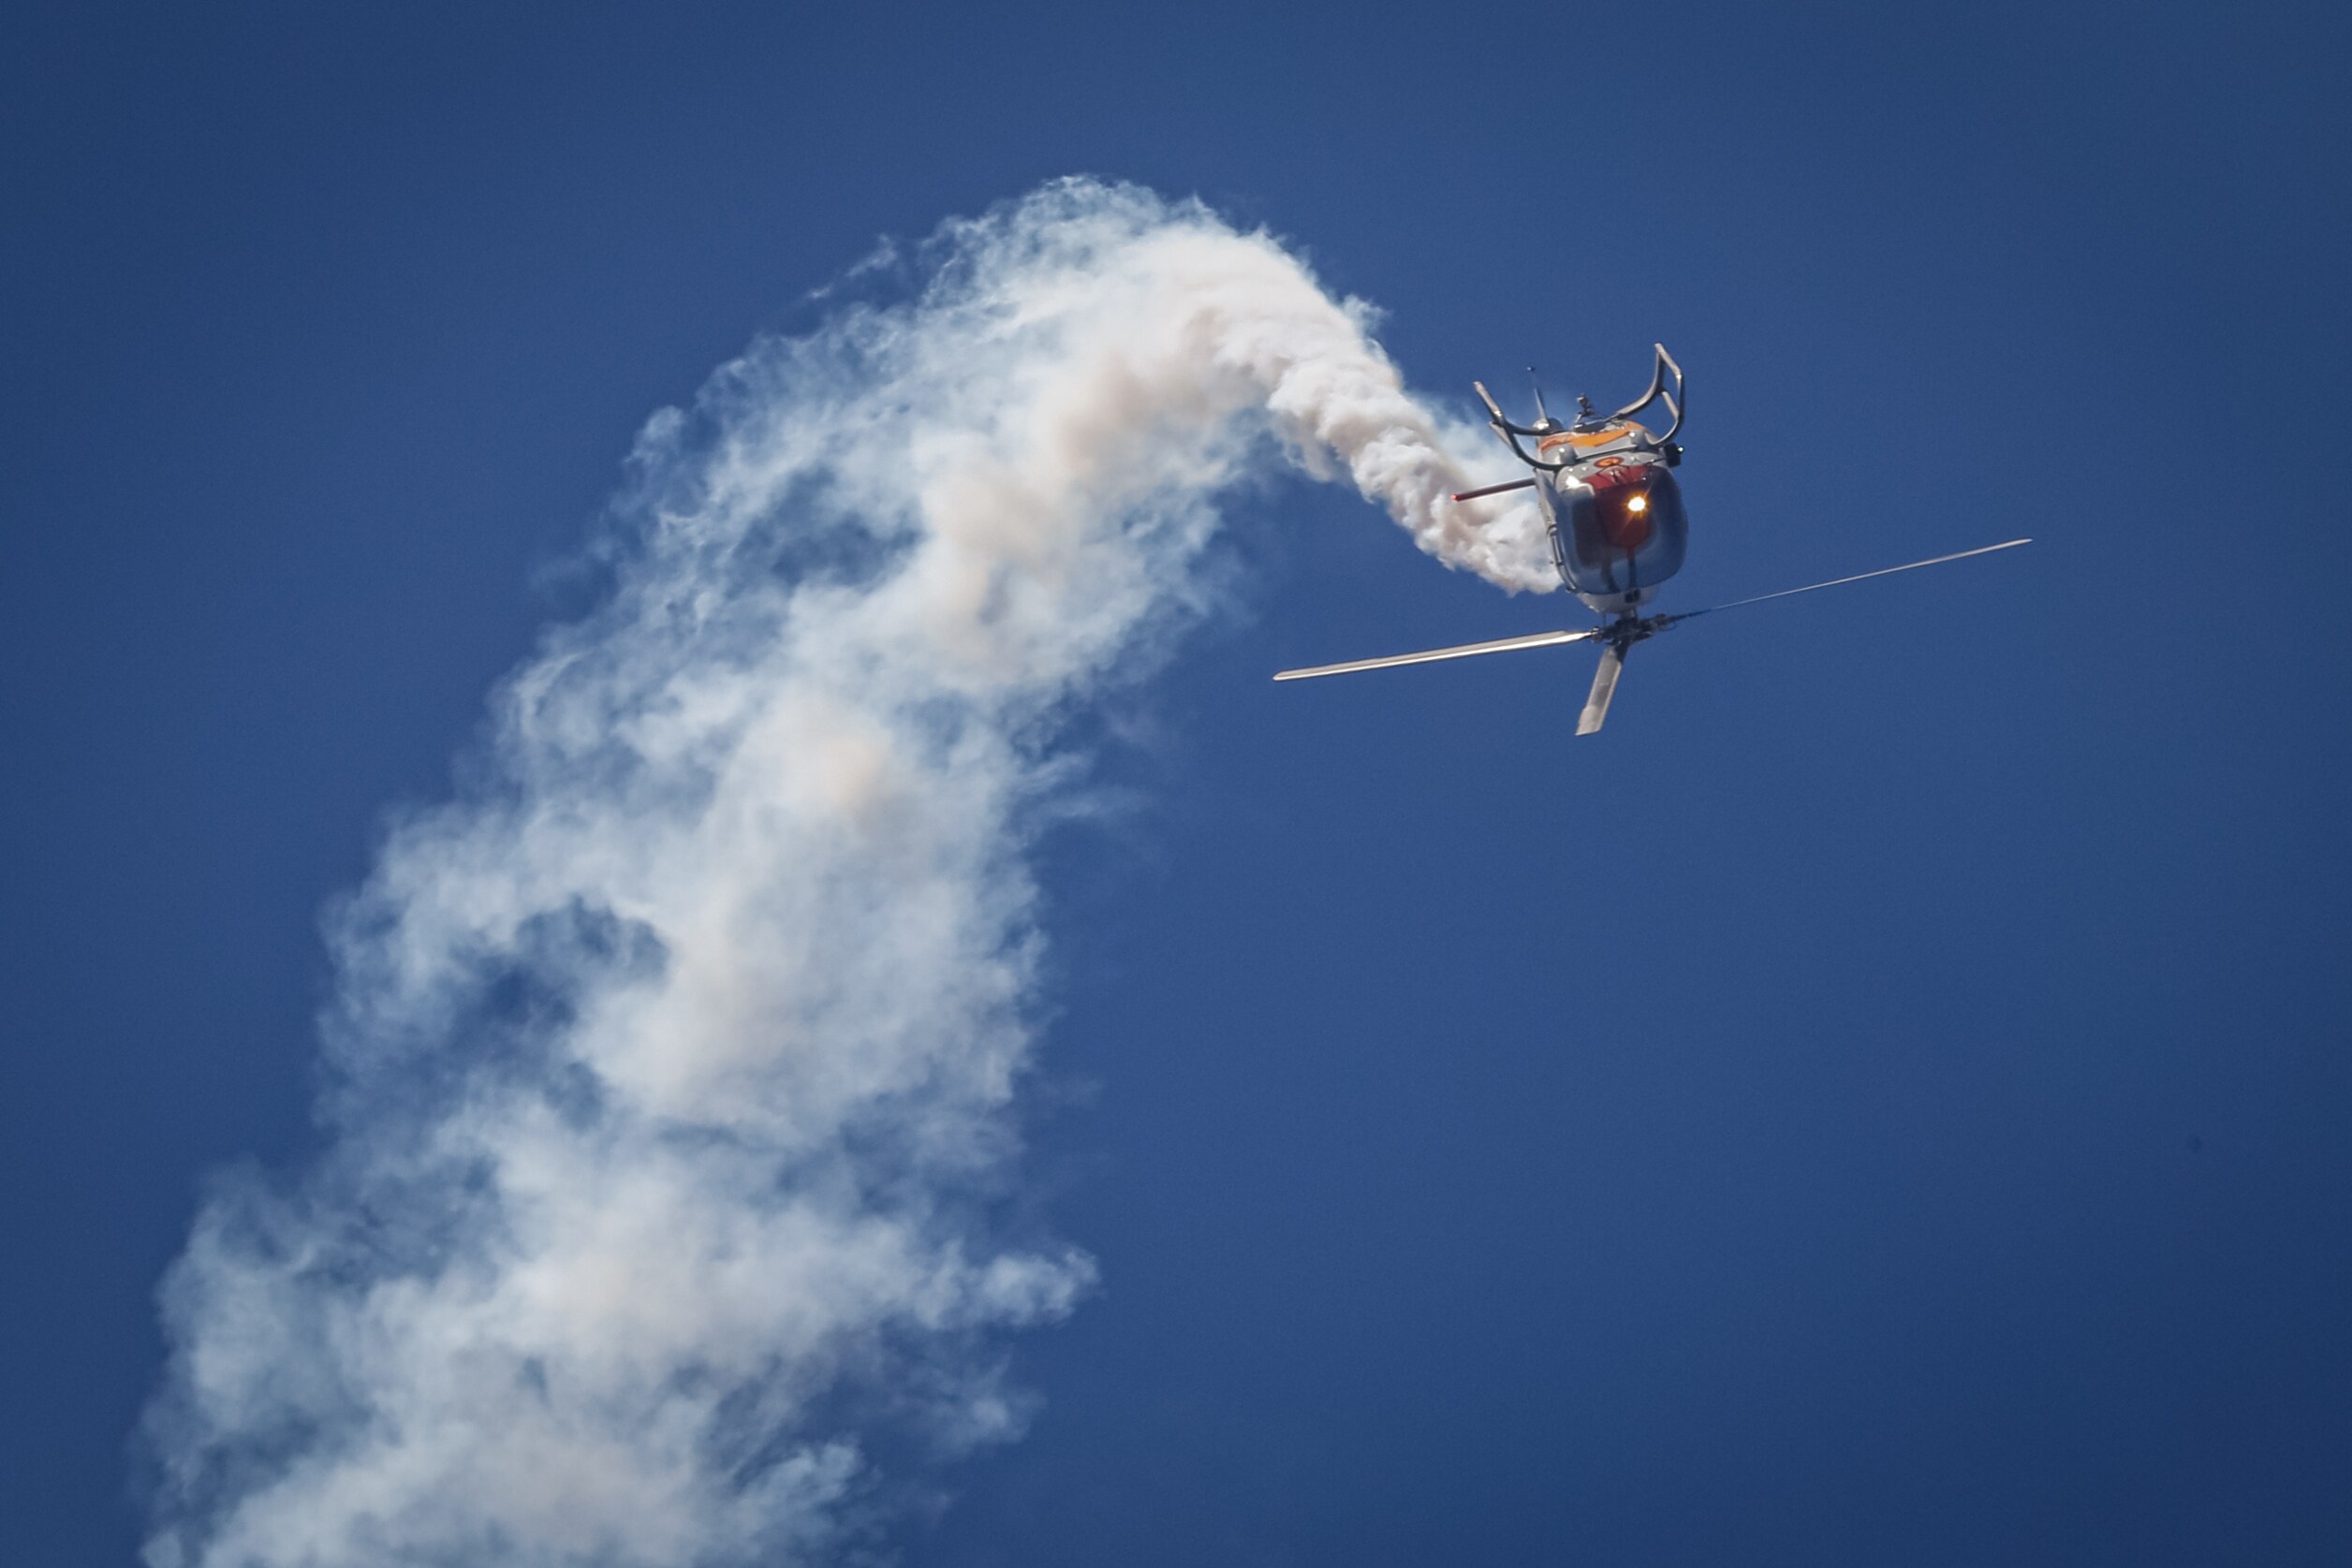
[(1614, 512)]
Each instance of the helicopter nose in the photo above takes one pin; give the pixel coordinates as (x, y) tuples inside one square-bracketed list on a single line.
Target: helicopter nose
[(1624, 517)]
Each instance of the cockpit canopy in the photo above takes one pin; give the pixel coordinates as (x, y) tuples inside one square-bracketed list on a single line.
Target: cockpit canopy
[(1618, 527)]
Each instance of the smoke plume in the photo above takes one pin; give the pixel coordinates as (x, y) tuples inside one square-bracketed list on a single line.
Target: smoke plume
[(669, 1152)]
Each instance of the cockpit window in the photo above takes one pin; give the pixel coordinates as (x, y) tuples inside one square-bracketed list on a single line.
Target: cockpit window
[(1618, 528)]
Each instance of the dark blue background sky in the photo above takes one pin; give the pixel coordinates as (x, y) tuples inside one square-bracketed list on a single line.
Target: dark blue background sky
[(1883, 1101)]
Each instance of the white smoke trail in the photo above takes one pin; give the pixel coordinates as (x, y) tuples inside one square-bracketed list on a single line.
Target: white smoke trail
[(669, 1136)]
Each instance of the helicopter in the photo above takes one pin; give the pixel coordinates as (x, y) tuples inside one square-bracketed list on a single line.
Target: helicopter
[(1618, 530)]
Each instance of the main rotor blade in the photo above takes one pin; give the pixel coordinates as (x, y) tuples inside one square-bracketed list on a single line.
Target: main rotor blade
[(1604, 688), (1859, 577), (1504, 645)]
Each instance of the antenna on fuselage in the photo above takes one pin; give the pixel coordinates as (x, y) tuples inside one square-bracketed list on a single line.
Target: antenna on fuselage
[(1543, 415)]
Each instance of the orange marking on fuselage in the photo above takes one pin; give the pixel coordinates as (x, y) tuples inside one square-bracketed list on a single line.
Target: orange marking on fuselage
[(1585, 439)]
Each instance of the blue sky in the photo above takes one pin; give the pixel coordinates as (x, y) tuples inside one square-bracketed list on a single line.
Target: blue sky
[(1881, 1101)]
